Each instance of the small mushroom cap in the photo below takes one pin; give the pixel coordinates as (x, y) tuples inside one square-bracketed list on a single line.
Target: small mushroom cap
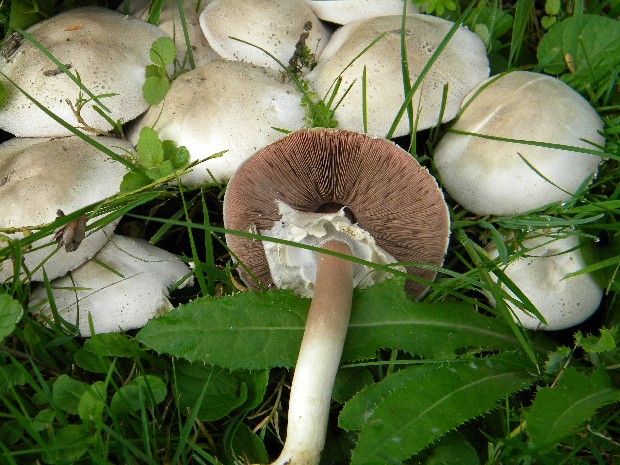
[(170, 23), (119, 300), (462, 65), (388, 193), (274, 25), (109, 51), (489, 177), (224, 106), (347, 11), (540, 276), (38, 177)]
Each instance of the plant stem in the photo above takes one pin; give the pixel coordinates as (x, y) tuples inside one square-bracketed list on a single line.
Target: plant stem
[(319, 358)]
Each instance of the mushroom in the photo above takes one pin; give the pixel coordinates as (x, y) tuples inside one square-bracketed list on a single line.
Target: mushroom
[(395, 207), (461, 66), (125, 286), (347, 11), (203, 108), (492, 177), (39, 177), (274, 25), (170, 23), (107, 49), (541, 275)]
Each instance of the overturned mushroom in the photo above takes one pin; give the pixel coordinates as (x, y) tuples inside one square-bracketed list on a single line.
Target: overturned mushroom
[(122, 289), (107, 49), (42, 179), (303, 188)]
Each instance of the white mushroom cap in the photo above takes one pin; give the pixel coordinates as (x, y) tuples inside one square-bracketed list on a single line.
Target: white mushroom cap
[(540, 276), (224, 106), (39, 177), (109, 51), (274, 25), (347, 11), (295, 268), (488, 177), (170, 23), (119, 300), (462, 65)]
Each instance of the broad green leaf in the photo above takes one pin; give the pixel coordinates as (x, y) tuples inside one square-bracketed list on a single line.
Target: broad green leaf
[(134, 180), (88, 361), (160, 171), (11, 376), (149, 148), (162, 51), (585, 47), (67, 393), (224, 391), (407, 420), (43, 419), (246, 447), (252, 330), (92, 402), (181, 157), (558, 411), (67, 445), (453, 449), (113, 345), (264, 330), (147, 391), (154, 89), (11, 313), (154, 71)]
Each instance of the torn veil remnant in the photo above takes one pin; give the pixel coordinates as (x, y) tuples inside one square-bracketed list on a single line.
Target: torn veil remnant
[(307, 187)]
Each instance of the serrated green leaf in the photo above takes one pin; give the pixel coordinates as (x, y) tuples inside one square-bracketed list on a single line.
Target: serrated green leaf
[(590, 43), (67, 393), (163, 51), (264, 330), (253, 330), (134, 180), (154, 89), (420, 411), (181, 157), (606, 341), (148, 390), (558, 411), (224, 392), (149, 148), (349, 382), (453, 449), (11, 313), (170, 148), (160, 171)]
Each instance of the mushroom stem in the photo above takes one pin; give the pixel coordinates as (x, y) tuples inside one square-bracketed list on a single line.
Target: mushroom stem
[(319, 357)]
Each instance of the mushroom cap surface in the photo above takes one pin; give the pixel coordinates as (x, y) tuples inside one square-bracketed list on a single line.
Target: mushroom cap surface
[(488, 177), (170, 23), (40, 176), (539, 275), (123, 299), (109, 51), (224, 105), (274, 25), (347, 11), (462, 65), (388, 193)]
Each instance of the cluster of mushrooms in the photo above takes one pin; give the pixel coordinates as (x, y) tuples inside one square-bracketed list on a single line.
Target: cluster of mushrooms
[(339, 190)]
